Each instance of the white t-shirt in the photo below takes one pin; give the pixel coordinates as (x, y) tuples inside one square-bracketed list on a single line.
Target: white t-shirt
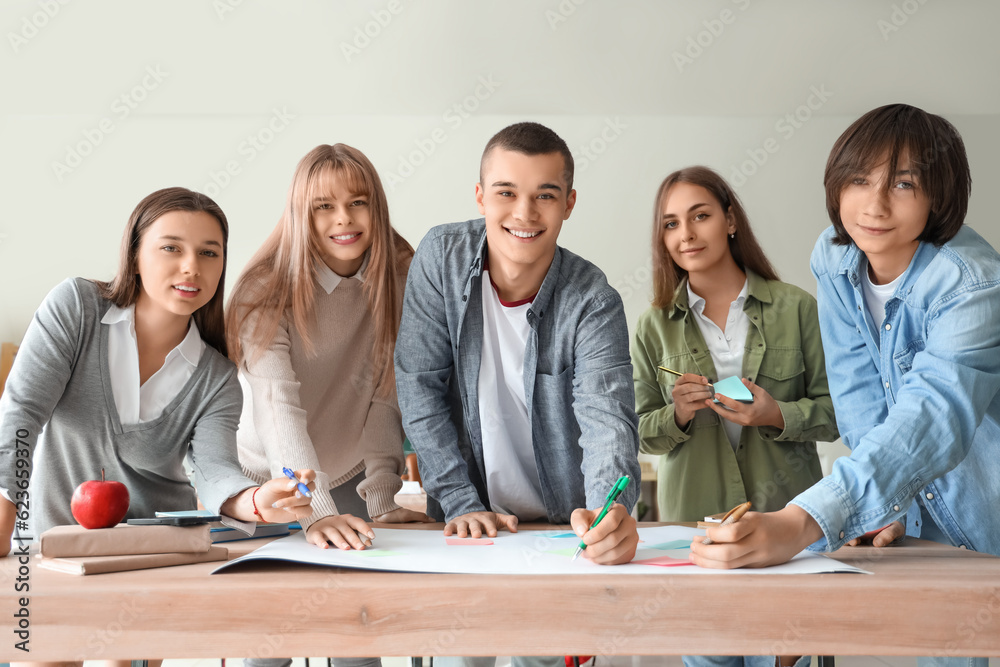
[(137, 404), (508, 450), (726, 347), (876, 296)]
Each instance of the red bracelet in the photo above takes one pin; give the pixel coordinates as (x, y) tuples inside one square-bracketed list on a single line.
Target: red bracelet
[(253, 499)]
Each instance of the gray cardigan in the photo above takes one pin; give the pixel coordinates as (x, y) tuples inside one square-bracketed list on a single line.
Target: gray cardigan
[(58, 409)]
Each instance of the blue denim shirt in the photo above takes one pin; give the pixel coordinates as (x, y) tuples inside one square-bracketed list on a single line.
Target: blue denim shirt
[(577, 378), (917, 397)]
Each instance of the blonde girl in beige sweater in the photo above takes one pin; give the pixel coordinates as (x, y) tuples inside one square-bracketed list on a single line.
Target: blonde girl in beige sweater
[(312, 326)]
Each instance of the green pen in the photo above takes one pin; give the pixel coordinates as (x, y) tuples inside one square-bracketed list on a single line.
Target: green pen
[(616, 491)]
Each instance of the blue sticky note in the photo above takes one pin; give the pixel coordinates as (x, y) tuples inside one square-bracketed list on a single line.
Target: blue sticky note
[(734, 388), (670, 546)]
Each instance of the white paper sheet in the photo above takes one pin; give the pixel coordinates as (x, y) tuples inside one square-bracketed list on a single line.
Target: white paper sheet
[(525, 552)]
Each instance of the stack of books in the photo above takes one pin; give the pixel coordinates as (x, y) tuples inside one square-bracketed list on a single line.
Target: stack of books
[(77, 550)]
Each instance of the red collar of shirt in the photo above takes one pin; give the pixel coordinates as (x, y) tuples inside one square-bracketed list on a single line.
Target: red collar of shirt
[(505, 304)]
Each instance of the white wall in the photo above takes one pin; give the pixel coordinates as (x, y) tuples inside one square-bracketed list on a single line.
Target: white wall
[(608, 75)]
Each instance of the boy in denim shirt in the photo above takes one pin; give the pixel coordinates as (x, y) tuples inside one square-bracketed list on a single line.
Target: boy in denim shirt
[(512, 361), (909, 306)]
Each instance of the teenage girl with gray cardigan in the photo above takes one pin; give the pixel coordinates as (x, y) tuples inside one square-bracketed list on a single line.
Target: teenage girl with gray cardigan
[(130, 376)]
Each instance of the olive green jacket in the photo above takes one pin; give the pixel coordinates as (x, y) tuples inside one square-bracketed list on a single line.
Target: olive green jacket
[(699, 473)]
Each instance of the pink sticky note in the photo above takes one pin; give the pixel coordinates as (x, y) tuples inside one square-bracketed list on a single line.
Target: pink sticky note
[(664, 561), (468, 541)]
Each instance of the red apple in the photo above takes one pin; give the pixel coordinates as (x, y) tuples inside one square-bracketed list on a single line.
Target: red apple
[(99, 504)]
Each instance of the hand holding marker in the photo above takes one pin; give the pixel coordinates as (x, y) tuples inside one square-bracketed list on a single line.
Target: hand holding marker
[(711, 387), (303, 489), (616, 491), (732, 516)]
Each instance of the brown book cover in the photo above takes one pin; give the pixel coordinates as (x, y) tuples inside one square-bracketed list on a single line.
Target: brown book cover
[(123, 540), (102, 564)]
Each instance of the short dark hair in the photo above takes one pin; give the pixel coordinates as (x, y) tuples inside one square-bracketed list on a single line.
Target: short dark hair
[(531, 139), (936, 153)]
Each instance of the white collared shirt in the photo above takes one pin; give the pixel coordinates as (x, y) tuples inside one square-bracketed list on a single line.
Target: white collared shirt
[(328, 279), (726, 347), (137, 403)]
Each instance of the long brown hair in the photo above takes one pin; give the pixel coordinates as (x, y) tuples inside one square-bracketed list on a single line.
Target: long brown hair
[(124, 288), (282, 275), (744, 247)]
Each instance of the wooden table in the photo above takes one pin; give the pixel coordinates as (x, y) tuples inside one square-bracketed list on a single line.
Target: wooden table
[(923, 599)]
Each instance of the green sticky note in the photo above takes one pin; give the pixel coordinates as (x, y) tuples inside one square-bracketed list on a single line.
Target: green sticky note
[(378, 553), (568, 552)]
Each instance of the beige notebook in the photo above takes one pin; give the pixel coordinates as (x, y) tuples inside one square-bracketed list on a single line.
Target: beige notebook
[(123, 539), (102, 564)]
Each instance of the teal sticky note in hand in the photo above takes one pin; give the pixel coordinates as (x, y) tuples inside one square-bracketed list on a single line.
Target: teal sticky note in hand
[(733, 388)]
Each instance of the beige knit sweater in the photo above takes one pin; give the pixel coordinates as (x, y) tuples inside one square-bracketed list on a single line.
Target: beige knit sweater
[(320, 411)]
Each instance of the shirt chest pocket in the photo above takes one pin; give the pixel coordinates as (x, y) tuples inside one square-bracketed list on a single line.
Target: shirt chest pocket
[(682, 363), (904, 358), (783, 373)]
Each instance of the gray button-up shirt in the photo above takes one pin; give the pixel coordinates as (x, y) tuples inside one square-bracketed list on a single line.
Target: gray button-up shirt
[(577, 378)]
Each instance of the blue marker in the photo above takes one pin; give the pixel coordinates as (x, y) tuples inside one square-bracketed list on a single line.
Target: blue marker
[(303, 489)]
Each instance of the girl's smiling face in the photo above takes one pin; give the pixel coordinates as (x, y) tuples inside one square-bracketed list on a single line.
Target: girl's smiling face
[(695, 228), (341, 220), (179, 262)]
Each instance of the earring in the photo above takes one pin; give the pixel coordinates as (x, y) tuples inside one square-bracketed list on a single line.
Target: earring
[(732, 235)]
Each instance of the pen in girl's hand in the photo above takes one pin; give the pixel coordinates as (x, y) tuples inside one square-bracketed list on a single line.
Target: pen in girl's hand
[(303, 489)]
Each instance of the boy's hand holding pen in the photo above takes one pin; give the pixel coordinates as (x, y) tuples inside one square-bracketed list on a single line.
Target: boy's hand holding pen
[(757, 539), (609, 535), (732, 516)]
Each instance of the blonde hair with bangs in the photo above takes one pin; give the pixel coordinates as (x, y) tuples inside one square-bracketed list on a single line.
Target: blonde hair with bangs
[(281, 276)]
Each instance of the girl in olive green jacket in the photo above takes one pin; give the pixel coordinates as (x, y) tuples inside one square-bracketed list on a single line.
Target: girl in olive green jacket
[(719, 310)]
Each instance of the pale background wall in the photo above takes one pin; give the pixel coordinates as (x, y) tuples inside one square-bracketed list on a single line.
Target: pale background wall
[(105, 102)]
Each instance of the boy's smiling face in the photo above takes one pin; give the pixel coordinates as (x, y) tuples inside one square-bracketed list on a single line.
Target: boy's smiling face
[(525, 199), (886, 225)]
